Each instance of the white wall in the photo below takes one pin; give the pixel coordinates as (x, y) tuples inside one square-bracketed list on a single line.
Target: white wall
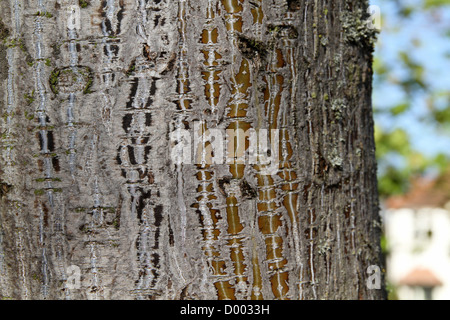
[(411, 246)]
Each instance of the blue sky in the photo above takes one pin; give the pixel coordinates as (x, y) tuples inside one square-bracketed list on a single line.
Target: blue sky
[(399, 35)]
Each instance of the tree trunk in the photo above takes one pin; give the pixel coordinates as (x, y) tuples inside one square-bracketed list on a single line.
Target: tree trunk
[(94, 96)]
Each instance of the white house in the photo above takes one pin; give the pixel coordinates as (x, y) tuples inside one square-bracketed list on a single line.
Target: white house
[(417, 229)]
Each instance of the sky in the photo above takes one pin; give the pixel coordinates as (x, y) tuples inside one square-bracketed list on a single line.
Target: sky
[(401, 35)]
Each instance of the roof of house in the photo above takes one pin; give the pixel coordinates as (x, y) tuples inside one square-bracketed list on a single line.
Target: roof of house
[(421, 277), (424, 192)]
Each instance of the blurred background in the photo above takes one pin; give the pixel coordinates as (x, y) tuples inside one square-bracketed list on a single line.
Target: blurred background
[(412, 130)]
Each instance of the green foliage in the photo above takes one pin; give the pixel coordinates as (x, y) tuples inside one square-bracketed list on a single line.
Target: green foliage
[(392, 291), (415, 78), (435, 3), (396, 144), (400, 108), (395, 141)]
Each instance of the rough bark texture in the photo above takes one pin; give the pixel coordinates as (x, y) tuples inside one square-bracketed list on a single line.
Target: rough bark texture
[(86, 173)]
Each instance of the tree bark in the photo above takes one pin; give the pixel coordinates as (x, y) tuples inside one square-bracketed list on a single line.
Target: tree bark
[(92, 92)]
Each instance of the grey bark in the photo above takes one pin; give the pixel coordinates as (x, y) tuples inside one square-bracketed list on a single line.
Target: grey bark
[(87, 178)]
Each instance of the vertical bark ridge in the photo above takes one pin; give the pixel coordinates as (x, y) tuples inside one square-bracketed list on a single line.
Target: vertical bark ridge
[(210, 215), (290, 174), (100, 218), (258, 16), (137, 149), (184, 100), (72, 99), (48, 160), (238, 124), (270, 217), (110, 29), (206, 202), (212, 70), (8, 160), (274, 204)]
